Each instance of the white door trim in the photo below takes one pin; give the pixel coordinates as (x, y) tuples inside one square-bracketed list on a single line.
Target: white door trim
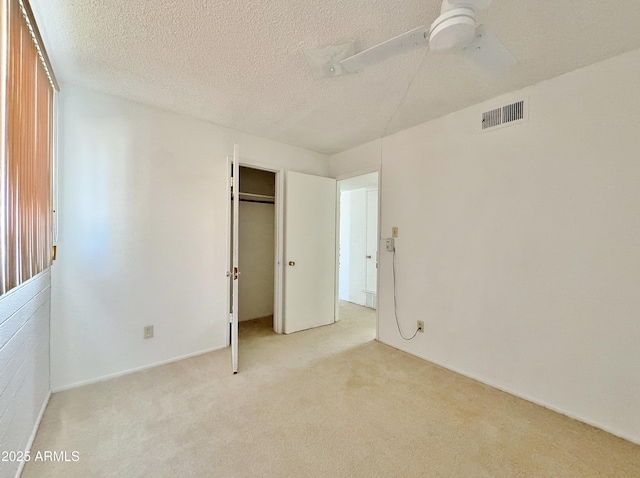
[(379, 246)]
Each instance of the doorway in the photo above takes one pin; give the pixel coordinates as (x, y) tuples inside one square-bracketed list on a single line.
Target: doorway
[(258, 206), (304, 296), (358, 240), (257, 245)]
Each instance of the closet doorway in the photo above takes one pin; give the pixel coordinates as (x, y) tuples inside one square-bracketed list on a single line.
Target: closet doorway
[(256, 239), (257, 247)]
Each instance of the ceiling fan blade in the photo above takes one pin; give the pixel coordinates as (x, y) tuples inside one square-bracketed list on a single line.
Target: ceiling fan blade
[(410, 40), (489, 53)]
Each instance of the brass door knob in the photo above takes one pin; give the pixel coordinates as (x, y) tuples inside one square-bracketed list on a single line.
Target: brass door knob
[(291, 263)]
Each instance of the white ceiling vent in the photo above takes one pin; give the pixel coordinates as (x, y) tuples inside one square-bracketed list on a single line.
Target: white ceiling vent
[(505, 116)]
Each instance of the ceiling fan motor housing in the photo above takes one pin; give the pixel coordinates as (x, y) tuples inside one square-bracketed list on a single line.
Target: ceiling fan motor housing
[(473, 4), (453, 30)]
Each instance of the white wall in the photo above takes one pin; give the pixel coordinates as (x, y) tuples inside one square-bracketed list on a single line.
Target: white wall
[(359, 160), (143, 198), (24, 364), (256, 240), (519, 247)]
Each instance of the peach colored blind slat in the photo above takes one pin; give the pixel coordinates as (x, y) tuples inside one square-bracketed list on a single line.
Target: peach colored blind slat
[(27, 158)]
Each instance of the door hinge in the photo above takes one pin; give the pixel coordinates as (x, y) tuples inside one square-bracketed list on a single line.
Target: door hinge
[(231, 318)]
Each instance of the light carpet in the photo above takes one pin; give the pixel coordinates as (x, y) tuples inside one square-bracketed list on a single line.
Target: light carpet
[(327, 402)]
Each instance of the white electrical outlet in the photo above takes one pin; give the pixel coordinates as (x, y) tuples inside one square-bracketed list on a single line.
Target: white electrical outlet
[(148, 332), (390, 244)]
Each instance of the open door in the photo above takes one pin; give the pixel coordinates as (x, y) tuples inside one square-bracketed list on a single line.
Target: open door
[(234, 273), (310, 251)]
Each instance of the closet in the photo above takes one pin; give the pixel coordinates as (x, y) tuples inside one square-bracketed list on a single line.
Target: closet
[(256, 229)]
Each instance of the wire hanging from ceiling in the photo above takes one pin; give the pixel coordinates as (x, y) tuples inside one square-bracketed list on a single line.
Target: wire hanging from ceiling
[(384, 133), (404, 95)]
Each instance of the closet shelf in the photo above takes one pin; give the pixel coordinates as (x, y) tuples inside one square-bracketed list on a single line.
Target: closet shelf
[(256, 197)]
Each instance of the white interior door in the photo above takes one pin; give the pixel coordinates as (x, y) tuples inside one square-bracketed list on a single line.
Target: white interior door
[(235, 272), (372, 241), (310, 254)]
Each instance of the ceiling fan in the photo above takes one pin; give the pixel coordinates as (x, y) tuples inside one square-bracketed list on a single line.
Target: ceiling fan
[(454, 31)]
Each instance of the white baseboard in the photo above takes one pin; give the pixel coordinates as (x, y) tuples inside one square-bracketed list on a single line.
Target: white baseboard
[(134, 370), (32, 437), (605, 428)]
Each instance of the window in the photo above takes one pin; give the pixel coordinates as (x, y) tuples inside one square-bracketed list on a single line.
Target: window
[(26, 122)]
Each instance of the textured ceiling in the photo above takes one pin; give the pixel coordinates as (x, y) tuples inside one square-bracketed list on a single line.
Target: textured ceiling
[(241, 64)]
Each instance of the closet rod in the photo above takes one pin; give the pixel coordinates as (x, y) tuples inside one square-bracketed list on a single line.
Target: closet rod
[(256, 196), (257, 200)]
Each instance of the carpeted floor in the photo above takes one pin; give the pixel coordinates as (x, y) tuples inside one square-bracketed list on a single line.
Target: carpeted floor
[(328, 402)]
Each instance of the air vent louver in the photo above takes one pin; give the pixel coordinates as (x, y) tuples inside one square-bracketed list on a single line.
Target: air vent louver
[(512, 113), (492, 118)]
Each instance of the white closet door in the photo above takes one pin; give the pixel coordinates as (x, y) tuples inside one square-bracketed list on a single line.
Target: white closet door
[(310, 255)]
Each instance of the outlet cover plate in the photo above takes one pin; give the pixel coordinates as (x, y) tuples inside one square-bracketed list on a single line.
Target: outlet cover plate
[(390, 244), (148, 332)]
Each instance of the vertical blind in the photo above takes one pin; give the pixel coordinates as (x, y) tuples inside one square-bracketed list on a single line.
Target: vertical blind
[(27, 151)]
